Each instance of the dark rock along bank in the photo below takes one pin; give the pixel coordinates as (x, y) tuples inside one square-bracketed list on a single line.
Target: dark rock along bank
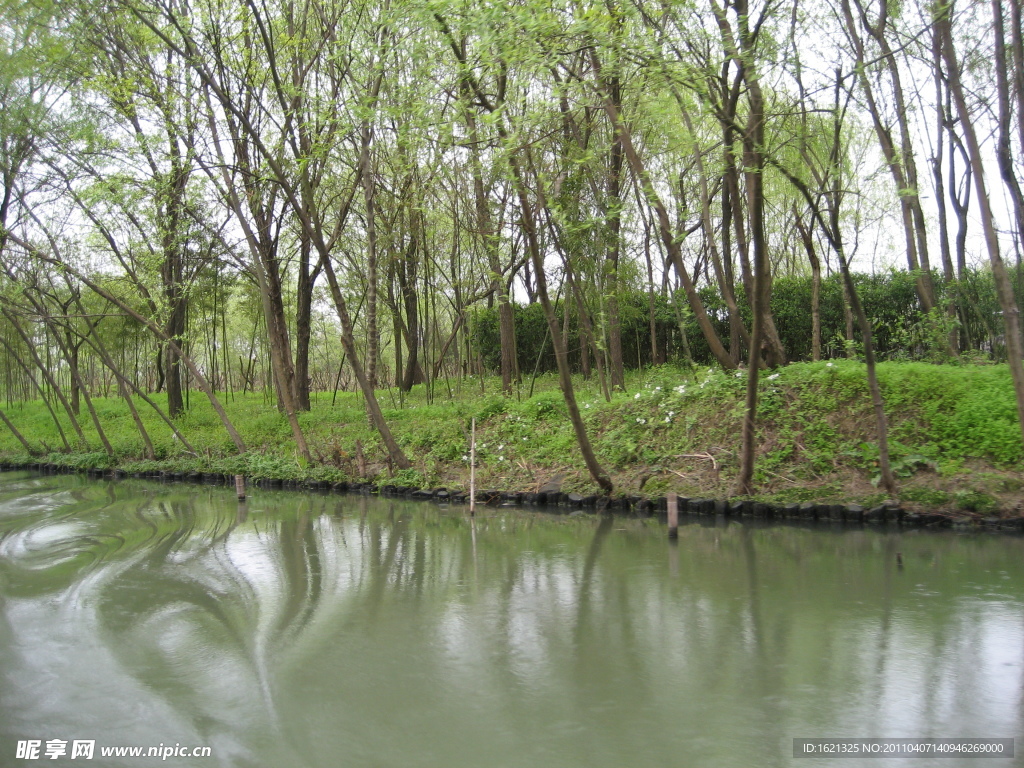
[(556, 501)]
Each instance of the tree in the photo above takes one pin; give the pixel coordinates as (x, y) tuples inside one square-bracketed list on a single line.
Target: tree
[(1004, 289), (899, 157), (517, 164)]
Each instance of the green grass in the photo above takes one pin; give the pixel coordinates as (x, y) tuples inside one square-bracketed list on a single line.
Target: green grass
[(954, 435)]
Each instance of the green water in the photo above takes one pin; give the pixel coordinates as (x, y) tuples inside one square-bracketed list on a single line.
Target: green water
[(320, 630)]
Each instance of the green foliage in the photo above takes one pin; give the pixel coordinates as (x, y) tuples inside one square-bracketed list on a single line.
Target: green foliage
[(533, 343), (444, 439), (926, 339), (816, 428), (545, 405), (261, 465), (410, 477), (931, 497), (969, 410), (976, 501), (491, 406), (84, 460), (900, 331), (902, 462)]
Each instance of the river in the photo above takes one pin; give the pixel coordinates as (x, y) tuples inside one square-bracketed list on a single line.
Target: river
[(327, 630)]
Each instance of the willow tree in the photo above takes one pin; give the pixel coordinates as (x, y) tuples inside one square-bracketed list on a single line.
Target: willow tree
[(739, 41), (1004, 288), (145, 109), (863, 21), (490, 239), (275, 96), (824, 196), (519, 162), (654, 199)]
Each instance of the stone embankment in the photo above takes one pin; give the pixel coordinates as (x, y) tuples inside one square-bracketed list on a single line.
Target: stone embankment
[(553, 500)]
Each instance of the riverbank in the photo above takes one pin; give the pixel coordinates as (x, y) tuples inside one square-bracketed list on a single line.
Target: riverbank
[(954, 439)]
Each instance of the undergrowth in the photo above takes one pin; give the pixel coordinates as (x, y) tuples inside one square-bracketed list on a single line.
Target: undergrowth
[(954, 436)]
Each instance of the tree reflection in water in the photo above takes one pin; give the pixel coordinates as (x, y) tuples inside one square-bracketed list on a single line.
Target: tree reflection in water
[(295, 629)]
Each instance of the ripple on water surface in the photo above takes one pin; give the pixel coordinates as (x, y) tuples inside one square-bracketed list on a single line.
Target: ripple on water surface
[(295, 629)]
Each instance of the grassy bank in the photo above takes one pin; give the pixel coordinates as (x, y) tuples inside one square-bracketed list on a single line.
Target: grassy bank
[(954, 436)]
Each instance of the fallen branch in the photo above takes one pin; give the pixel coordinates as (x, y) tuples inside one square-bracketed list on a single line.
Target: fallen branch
[(703, 456)]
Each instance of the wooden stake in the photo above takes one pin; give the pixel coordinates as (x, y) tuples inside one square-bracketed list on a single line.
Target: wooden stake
[(673, 516), (472, 468), (240, 487), (360, 460)]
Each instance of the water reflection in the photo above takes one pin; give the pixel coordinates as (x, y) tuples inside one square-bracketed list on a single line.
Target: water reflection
[(321, 630)]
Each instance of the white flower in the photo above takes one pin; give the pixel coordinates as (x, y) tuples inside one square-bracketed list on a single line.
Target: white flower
[(636, 396), (586, 405), (739, 374), (828, 365), (671, 414), (773, 377), (668, 419), (501, 458), (640, 420), (681, 389), (657, 389), (465, 457), (501, 447)]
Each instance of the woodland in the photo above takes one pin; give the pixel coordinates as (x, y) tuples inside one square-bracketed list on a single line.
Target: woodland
[(205, 199)]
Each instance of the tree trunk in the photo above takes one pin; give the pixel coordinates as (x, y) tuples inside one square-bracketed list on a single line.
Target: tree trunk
[(14, 431), (372, 339), (269, 280), (175, 329), (737, 329), (1004, 148), (617, 372), (753, 163), (899, 162), (775, 353), (561, 354), (406, 273), (812, 256), (73, 367), (171, 201), (303, 329), (740, 47), (940, 195), (1017, 56)]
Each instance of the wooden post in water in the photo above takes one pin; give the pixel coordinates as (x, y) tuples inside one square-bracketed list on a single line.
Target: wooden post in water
[(360, 460), (240, 487), (472, 468), (673, 516)]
